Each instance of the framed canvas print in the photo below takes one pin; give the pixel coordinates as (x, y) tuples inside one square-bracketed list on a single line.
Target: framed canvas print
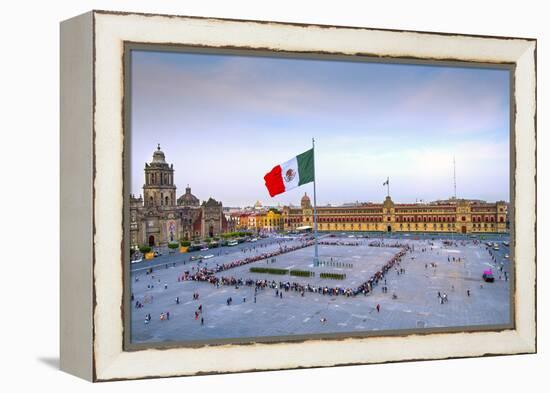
[(247, 195)]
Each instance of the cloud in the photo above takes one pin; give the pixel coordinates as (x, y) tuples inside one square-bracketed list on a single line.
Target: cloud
[(224, 121)]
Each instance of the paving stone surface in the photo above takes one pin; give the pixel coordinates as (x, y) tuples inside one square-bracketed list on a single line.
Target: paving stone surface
[(417, 305)]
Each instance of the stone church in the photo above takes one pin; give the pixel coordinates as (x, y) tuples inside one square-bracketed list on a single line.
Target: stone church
[(157, 217)]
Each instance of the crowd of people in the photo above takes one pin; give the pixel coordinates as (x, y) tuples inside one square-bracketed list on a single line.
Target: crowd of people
[(208, 275), (373, 281)]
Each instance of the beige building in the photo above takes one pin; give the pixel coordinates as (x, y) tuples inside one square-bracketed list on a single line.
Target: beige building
[(453, 216)]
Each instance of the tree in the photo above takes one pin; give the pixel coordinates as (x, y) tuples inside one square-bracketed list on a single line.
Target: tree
[(144, 249)]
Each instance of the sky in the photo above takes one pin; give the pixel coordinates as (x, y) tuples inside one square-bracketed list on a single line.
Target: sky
[(224, 121)]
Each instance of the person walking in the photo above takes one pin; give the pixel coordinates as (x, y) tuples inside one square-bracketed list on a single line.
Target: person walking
[(378, 308)]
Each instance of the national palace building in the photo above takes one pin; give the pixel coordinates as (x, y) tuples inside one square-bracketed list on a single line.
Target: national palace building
[(453, 215), (158, 218)]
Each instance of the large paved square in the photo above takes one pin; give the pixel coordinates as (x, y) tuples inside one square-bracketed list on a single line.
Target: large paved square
[(428, 269)]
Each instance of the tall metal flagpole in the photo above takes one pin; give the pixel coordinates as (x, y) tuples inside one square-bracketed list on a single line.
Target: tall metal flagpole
[(454, 176), (316, 256)]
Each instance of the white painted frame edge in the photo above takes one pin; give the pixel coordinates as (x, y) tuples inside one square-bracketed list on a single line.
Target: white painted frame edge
[(112, 30)]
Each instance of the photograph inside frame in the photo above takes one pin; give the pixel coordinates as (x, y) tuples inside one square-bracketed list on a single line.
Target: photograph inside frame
[(285, 197)]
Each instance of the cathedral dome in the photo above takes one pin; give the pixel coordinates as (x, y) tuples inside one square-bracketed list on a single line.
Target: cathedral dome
[(158, 155), (188, 199)]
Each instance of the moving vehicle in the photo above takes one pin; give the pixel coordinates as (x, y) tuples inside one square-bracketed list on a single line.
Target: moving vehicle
[(208, 256), (232, 243), (204, 249), (488, 276), (196, 257)]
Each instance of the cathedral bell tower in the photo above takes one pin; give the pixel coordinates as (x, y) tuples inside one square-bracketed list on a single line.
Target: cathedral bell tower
[(159, 189)]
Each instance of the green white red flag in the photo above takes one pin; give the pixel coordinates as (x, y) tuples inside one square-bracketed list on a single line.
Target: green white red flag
[(291, 174)]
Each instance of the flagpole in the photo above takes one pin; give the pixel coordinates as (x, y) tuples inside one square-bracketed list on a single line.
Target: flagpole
[(316, 255)]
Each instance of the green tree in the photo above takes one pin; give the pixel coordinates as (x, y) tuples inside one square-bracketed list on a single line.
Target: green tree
[(144, 249)]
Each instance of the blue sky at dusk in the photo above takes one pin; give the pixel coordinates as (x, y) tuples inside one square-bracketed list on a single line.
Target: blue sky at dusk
[(224, 121)]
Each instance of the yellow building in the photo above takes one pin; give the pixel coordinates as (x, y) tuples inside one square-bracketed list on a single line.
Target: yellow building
[(259, 221), (452, 216), (272, 221)]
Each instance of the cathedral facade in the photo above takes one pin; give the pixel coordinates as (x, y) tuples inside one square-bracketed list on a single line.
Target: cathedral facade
[(158, 218)]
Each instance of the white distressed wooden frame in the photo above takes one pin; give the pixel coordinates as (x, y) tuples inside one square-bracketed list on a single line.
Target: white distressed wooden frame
[(92, 194)]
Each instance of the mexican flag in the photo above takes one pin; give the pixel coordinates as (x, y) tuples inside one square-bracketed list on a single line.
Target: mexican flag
[(291, 174)]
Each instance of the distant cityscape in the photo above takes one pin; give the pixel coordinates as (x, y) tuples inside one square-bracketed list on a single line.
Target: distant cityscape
[(157, 217)]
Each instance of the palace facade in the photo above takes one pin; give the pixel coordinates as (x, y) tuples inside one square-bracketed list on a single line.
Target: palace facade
[(453, 216), (158, 218)]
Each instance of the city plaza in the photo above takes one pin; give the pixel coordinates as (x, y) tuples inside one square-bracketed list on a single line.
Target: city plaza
[(411, 294), (403, 266)]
